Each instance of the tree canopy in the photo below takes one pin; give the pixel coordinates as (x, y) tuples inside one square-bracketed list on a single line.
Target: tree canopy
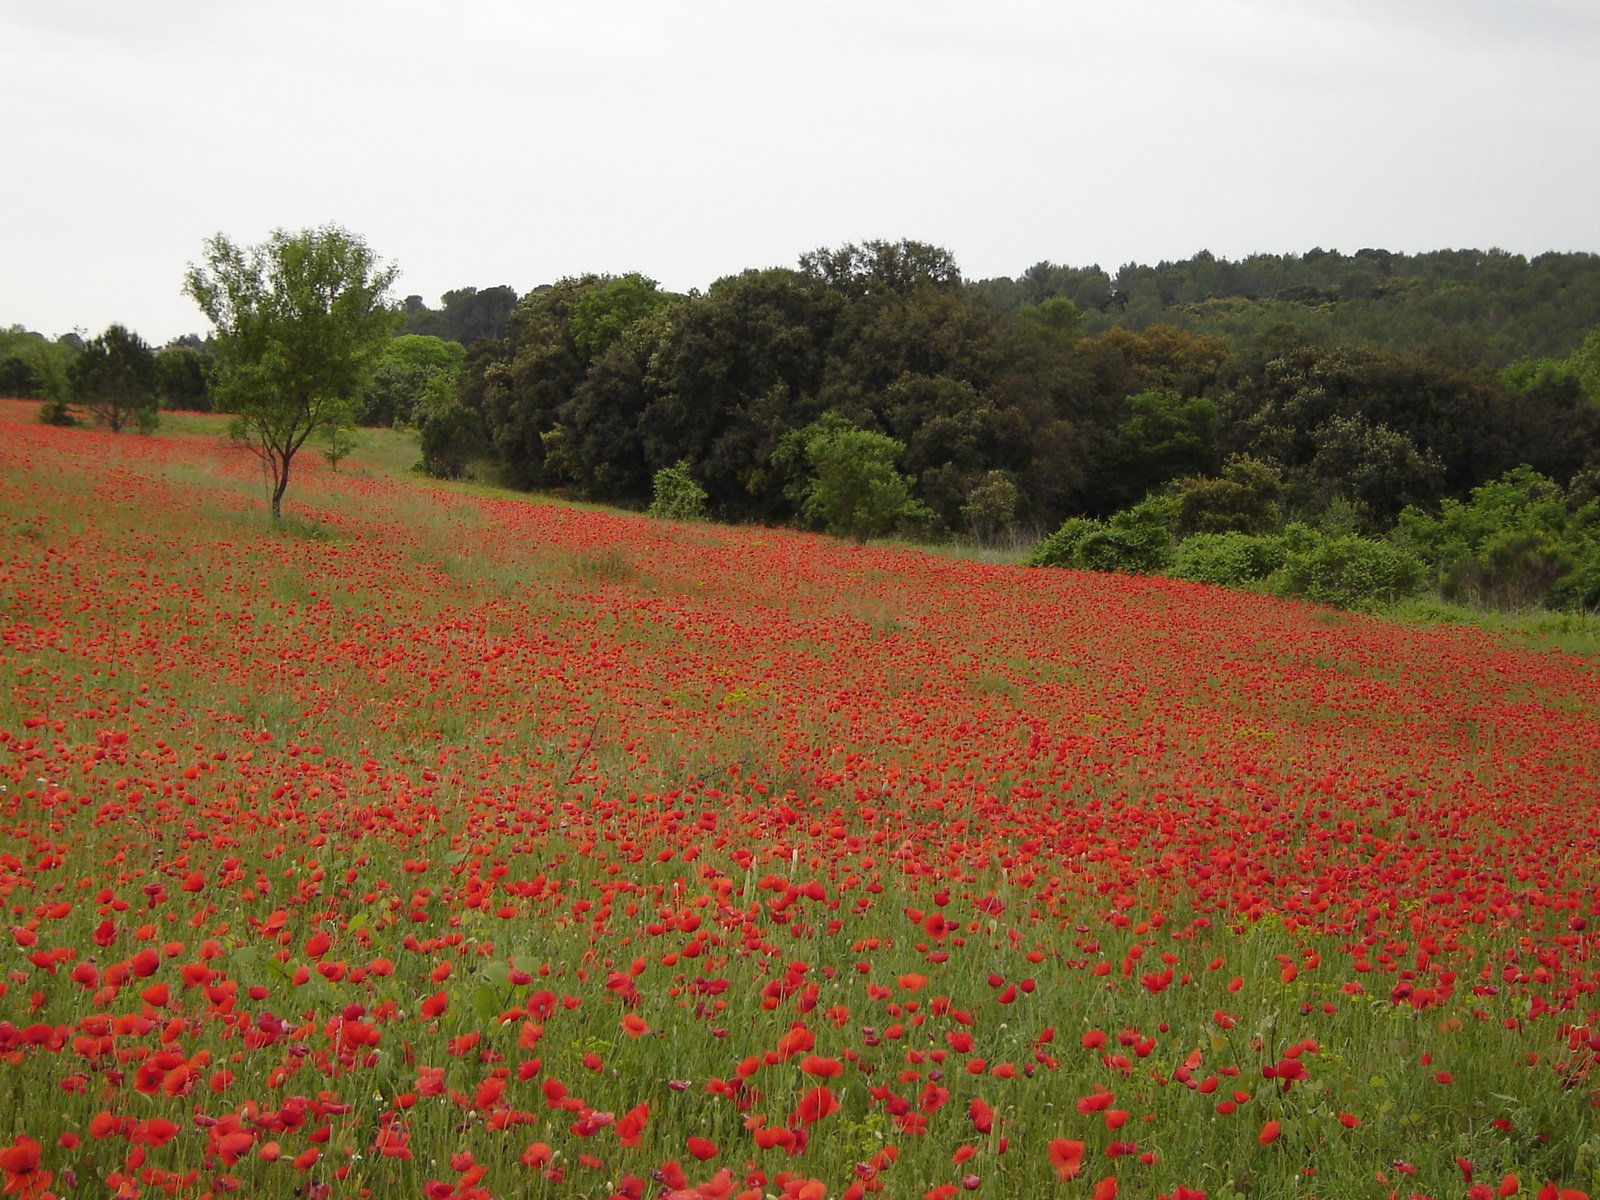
[(115, 378), (300, 320)]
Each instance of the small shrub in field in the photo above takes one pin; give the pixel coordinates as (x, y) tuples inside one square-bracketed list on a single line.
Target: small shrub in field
[(677, 496), (991, 507), (1135, 541), (1060, 549), (57, 411), (1229, 559), (1349, 572), (337, 444)]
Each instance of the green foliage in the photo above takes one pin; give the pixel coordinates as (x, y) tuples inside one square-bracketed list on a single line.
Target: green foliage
[(1164, 437), (451, 437), (1512, 569), (1584, 362), (1060, 549), (1348, 572), (1243, 498), (677, 496), (468, 314), (184, 378), (300, 321), (991, 507), (338, 443), (412, 372), (1499, 306), (604, 313), (1134, 541), (115, 378), (1053, 321), (1230, 559), (34, 368), (1521, 498), (18, 379), (852, 489)]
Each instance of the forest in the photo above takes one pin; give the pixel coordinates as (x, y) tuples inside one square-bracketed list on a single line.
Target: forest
[(1223, 420)]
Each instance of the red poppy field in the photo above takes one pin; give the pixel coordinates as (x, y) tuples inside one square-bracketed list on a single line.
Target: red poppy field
[(445, 846)]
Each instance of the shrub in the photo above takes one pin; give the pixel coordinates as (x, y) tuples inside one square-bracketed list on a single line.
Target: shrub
[(1135, 541), (1060, 549), (1349, 572), (991, 507), (1243, 498), (677, 496), (451, 436), (1228, 559), (1515, 568), (1580, 587)]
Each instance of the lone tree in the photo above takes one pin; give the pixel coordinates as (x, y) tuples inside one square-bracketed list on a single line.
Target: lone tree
[(853, 489), (115, 378), (300, 320)]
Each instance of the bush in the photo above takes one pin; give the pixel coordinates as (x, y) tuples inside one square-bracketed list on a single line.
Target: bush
[(1243, 498), (451, 437), (1349, 572), (1580, 588), (991, 507), (1060, 549), (854, 489), (1228, 559), (1135, 541), (677, 496), (1515, 568)]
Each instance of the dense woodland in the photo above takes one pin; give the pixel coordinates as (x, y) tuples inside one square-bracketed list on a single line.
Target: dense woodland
[(1330, 392)]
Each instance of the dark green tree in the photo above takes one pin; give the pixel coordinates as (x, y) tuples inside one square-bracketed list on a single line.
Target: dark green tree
[(114, 377), (185, 377), (1242, 498)]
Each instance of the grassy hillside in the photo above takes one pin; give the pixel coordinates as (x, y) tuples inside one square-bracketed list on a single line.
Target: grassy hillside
[(436, 842)]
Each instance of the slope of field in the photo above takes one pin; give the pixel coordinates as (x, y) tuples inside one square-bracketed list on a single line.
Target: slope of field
[(440, 845)]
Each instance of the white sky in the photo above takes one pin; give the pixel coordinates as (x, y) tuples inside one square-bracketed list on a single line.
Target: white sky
[(515, 141)]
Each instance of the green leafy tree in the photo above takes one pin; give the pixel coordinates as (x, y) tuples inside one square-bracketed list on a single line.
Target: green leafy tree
[(603, 314), (115, 378), (1243, 498), (1585, 364), (338, 443), (300, 321), (185, 377), (451, 437), (1165, 436), (852, 489), (408, 370), (991, 507), (677, 496), (44, 367)]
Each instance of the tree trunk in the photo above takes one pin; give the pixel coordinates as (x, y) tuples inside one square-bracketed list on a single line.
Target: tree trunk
[(280, 484)]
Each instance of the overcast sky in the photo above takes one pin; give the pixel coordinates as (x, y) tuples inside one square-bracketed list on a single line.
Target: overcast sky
[(517, 141)]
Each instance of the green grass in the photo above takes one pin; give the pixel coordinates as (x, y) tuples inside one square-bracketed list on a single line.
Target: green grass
[(1570, 633), (393, 454)]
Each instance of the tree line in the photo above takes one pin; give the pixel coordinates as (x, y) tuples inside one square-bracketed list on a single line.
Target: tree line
[(600, 382), (871, 388)]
